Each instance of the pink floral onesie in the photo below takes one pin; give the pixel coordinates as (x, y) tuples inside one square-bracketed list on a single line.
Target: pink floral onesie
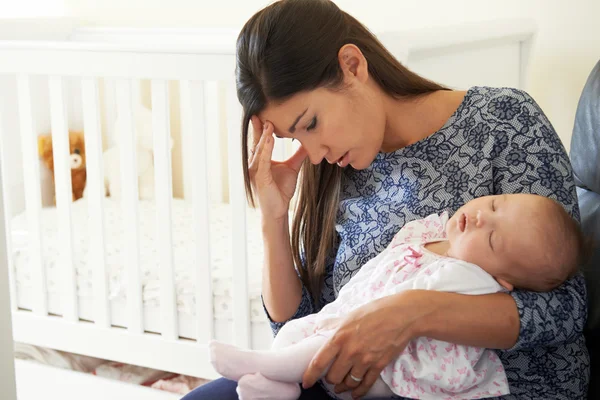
[(427, 368)]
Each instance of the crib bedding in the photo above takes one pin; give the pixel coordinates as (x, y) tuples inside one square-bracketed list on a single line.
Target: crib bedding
[(183, 261)]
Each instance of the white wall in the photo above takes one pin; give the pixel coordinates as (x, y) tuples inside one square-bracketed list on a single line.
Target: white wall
[(31, 8), (566, 49)]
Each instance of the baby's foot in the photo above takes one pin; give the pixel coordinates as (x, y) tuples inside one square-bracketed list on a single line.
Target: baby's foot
[(231, 361), (257, 387)]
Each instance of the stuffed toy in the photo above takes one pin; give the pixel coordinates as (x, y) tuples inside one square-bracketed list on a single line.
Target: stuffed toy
[(77, 151), (144, 154)]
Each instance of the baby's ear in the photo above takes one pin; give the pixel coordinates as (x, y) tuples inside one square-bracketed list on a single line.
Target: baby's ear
[(507, 285)]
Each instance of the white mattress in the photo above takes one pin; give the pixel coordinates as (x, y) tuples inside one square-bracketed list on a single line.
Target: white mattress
[(183, 257)]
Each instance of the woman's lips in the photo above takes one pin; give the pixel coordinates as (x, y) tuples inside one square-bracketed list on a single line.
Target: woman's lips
[(343, 161)]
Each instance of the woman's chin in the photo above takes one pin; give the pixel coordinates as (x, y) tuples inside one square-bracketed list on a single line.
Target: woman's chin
[(360, 163)]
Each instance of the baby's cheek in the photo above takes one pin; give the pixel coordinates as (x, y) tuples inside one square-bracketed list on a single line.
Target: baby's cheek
[(468, 250)]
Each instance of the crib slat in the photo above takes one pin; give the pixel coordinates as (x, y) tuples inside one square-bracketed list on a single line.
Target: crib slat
[(62, 174), (6, 208), (33, 196), (164, 194), (129, 204), (95, 198), (237, 198), (110, 106), (193, 116), (212, 115)]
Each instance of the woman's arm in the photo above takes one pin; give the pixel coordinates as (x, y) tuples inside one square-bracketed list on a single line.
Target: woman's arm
[(280, 279), (553, 318), (283, 294), (274, 184), (489, 321)]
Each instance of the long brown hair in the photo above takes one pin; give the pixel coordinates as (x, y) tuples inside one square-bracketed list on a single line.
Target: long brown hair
[(292, 46)]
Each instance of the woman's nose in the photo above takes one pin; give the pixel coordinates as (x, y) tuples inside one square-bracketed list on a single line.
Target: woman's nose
[(316, 152), (315, 157)]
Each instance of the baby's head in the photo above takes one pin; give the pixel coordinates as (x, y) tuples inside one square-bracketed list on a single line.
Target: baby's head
[(522, 240)]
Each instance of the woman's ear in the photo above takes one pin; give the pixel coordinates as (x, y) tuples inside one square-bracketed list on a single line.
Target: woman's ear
[(353, 63)]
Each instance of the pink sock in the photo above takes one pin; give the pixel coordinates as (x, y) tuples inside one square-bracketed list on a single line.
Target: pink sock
[(285, 364), (257, 387)]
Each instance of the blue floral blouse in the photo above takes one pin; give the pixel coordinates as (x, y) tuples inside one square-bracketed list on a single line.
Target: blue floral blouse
[(497, 141)]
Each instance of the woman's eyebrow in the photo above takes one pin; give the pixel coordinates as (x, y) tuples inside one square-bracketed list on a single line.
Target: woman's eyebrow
[(293, 127)]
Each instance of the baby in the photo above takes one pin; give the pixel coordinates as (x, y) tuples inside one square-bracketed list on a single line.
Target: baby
[(491, 244)]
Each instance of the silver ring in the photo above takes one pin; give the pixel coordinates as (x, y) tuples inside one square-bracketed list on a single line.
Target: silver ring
[(355, 379)]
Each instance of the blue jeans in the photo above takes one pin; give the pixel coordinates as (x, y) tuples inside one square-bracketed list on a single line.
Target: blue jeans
[(224, 389)]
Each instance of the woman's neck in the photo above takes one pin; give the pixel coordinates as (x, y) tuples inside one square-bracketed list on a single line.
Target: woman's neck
[(413, 119)]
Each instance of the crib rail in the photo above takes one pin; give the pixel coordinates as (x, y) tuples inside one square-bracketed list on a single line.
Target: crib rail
[(195, 72), (111, 61)]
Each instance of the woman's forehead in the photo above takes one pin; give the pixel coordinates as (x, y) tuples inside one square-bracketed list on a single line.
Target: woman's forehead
[(283, 115), (291, 104)]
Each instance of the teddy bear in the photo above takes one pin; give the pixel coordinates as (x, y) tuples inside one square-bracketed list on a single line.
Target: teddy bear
[(77, 160)]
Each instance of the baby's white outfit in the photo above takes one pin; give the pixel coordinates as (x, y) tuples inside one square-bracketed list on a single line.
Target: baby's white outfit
[(427, 368)]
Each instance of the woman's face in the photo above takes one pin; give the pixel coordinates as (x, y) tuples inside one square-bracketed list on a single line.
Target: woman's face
[(341, 126)]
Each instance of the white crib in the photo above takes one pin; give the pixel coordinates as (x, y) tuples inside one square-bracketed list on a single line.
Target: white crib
[(160, 317)]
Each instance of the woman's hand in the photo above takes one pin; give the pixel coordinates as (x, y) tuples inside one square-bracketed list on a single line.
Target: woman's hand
[(366, 341), (273, 183)]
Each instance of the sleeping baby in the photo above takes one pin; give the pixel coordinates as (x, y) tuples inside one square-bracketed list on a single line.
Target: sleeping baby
[(491, 244)]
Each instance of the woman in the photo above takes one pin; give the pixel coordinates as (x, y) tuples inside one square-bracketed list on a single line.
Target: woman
[(381, 146)]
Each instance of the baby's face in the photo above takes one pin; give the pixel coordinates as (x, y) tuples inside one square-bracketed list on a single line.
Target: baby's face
[(494, 233)]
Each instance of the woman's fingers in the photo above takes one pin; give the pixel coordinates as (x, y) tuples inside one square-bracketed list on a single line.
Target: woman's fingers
[(339, 369), (255, 152), (369, 379), (260, 162), (354, 378), (257, 130), (265, 155), (319, 364)]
